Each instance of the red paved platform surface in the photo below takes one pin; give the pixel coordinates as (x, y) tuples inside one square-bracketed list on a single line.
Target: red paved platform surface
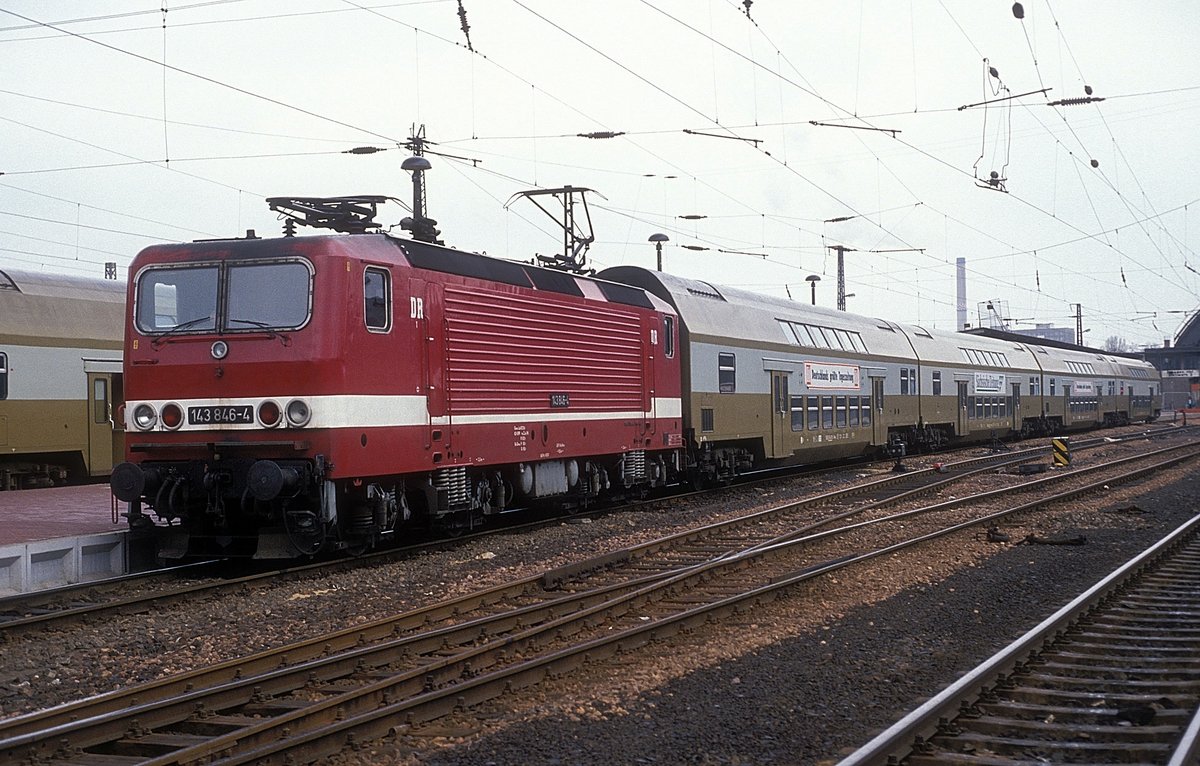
[(44, 514)]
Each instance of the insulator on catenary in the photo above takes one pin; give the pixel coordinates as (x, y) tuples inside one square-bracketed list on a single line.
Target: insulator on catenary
[(1018, 10)]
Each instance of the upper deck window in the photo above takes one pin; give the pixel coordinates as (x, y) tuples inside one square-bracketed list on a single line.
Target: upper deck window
[(3, 376), (231, 297), (818, 336), (726, 373)]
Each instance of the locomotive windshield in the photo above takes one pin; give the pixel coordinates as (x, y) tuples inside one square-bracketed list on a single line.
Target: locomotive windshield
[(178, 298), (227, 296), (273, 295)]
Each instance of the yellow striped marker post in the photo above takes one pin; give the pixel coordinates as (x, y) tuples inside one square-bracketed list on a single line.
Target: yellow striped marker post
[(1061, 446)]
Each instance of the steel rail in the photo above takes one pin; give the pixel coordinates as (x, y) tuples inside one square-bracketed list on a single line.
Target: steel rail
[(36, 609), (345, 640), (339, 726), (922, 724), (425, 673)]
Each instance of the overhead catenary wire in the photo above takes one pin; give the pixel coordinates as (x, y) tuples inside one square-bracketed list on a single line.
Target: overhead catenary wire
[(546, 159)]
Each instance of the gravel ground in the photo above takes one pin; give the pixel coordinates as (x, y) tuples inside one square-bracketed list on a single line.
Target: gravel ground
[(808, 679), (801, 681)]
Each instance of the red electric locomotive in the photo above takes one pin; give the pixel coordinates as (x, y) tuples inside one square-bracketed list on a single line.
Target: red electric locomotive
[(291, 395)]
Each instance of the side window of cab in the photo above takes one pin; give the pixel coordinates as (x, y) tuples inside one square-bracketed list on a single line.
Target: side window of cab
[(377, 299)]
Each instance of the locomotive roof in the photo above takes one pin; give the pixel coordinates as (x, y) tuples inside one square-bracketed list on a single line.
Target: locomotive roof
[(55, 309), (418, 255), (450, 261)]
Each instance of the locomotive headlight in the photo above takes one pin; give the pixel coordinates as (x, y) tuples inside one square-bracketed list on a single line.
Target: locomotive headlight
[(269, 414), (172, 416), (298, 413), (144, 417)]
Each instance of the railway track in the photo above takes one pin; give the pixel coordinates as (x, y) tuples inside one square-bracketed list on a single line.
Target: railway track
[(147, 590), (1113, 677), (313, 698)]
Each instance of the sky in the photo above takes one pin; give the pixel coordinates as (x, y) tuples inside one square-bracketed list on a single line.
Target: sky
[(756, 136)]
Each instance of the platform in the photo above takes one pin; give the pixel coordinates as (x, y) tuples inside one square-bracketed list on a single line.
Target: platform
[(59, 536)]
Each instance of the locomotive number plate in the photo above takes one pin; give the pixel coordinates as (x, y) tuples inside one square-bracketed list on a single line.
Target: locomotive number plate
[(234, 413), (560, 400)]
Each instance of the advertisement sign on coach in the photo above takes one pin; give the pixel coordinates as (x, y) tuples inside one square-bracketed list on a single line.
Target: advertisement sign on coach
[(828, 375), (989, 383)]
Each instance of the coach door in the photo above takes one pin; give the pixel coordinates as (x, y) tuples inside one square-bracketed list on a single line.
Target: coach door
[(961, 423), (878, 421), (1016, 406), (780, 414), (106, 436)]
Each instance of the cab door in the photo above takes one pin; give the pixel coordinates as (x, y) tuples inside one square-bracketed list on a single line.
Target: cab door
[(425, 311), (780, 414)]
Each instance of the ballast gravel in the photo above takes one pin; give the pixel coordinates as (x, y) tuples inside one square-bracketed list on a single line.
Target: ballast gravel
[(803, 680)]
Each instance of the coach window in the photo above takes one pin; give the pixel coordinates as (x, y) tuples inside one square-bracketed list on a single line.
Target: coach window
[(841, 412), (377, 299), (100, 400), (814, 414), (797, 413), (669, 336), (3, 376), (706, 420), (937, 382), (854, 405), (826, 412), (1052, 386), (904, 381), (726, 373)]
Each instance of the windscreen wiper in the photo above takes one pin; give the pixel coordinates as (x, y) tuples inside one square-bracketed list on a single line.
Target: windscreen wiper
[(160, 338), (271, 332)]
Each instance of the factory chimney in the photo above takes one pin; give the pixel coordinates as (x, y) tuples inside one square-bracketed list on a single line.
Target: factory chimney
[(961, 273)]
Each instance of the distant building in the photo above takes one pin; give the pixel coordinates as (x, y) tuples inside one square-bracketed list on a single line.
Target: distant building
[(1049, 332), (1179, 362)]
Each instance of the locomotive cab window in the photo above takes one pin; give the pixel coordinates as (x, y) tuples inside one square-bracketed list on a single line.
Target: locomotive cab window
[(377, 299), (3, 376), (669, 337), (177, 298), (726, 373), (268, 296), (247, 297)]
